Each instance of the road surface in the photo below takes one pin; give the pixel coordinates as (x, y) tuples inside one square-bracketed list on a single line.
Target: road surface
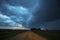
[(27, 36)]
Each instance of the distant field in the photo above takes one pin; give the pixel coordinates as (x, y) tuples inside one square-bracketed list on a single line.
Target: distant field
[(50, 35), (4, 34)]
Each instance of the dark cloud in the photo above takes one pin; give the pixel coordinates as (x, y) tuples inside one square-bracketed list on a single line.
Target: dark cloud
[(47, 11), (52, 25), (19, 14)]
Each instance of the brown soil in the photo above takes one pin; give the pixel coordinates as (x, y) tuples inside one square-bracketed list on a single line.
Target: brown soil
[(27, 36)]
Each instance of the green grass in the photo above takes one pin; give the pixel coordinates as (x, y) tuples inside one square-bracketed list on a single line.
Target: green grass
[(48, 35), (7, 34)]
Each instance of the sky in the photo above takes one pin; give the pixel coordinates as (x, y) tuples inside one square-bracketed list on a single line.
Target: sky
[(44, 14)]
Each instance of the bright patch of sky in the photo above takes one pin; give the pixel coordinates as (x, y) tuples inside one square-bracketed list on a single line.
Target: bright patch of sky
[(21, 13), (17, 9), (7, 19)]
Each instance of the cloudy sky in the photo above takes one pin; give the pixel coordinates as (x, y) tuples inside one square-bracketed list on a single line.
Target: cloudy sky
[(44, 14)]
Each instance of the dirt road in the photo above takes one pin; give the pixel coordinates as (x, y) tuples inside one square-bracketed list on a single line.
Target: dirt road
[(27, 36)]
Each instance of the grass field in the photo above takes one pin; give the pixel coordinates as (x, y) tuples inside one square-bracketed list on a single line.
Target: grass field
[(4, 34), (50, 35)]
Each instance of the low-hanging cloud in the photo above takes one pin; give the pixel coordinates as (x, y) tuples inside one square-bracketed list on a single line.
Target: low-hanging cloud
[(6, 19), (22, 14)]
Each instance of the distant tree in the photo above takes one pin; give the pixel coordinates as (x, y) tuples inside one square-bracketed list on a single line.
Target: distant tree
[(39, 29), (35, 29), (32, 29)]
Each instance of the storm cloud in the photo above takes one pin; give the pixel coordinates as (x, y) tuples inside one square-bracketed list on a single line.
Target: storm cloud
[(30, 13)]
